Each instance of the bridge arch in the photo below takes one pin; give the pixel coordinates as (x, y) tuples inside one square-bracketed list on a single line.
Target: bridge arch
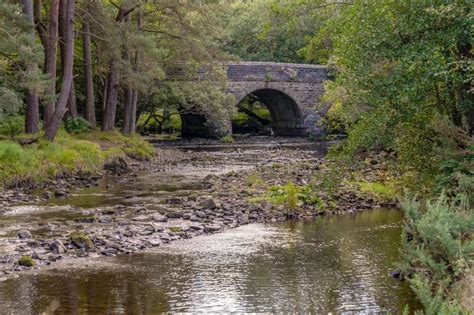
[(289, 91), (286, 116)]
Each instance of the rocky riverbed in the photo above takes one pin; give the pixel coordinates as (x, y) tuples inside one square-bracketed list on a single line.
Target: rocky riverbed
[(179, 195)]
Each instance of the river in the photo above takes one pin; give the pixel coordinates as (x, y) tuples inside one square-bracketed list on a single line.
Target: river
[(332, 264)]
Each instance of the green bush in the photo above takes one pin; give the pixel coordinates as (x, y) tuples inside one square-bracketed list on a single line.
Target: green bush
[(227, 139), (438, 250), (293, 195), (12, 126), (77, 125), (456, 175), (138, 148)]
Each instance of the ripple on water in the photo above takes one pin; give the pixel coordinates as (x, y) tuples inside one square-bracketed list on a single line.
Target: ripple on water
[(337, 264)]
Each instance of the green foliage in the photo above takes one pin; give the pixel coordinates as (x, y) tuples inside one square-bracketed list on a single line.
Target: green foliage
[(77, 125), (175, 229), (271, 30), (11, 126), (438, 250), (383, 191), (16, 162), (456, 175), (26, 261), (17, 48), (67, 154), (118, 144), (254, 180), (227, 139), (137, 148), (293, 195), (81, 240), (402, 74)]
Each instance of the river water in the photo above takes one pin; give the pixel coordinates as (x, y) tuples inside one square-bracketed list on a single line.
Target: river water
[(334, 264)]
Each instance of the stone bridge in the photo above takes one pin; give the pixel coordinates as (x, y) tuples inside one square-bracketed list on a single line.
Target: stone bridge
[(290, 92)]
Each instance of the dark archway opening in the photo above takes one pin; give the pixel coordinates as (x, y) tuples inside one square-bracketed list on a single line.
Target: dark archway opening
[(262, 112), (270, 111)]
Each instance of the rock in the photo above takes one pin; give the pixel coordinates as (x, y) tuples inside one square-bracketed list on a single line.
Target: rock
[(253, 208), (112, 245), (81, 252), (154, 242), (174, 215), (159, 218), (46, 195), (212, 228), (196, 227), (36, 256), (81, 240), (208, 203), (60, 193), (149, 230), (200, 214), (194, 218), (397, 274), (24, 234), (174, 201), (26, 261), (109, 252), (253, 216), (57, 247), (243, 218), (141, 218)]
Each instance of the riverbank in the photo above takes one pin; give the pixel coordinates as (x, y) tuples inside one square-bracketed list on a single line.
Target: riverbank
[(234, 188), (71, 160)]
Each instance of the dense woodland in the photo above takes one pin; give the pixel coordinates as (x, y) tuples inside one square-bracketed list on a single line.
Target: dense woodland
[(403, 85)]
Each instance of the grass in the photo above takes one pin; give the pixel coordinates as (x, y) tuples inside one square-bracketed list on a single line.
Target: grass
[(227, 139), (85, 153), (382, 191)]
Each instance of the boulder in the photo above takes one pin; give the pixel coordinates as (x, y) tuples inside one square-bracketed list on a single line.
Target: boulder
[(57, 247), (208, 203), (24, 234)]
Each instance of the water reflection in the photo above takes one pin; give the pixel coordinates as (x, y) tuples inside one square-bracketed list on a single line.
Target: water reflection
[(334, 264)]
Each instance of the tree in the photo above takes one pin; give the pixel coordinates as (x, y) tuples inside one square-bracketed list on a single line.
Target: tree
[(32, 102), (88, 74), (71, 102), (61, 105), (51, 58)]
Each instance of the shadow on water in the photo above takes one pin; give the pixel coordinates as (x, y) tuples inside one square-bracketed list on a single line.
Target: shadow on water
[(330, 264)]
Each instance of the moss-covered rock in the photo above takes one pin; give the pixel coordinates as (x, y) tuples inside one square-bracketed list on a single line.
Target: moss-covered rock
[(81, 240), (175, 229), (26, 261)]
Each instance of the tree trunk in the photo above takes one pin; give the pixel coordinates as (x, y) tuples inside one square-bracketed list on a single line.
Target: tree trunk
[(128, 90), (61, 105), (31, 114), (131, 115), (51, 51), (108, 122), (89, 83), (40, 28), (71, 102)]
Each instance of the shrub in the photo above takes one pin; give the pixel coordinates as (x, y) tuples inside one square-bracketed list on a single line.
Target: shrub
[(293, 195), (137, 148), (77, 125), (438, 250), (227, 139), (16, 161), (12, 126)]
